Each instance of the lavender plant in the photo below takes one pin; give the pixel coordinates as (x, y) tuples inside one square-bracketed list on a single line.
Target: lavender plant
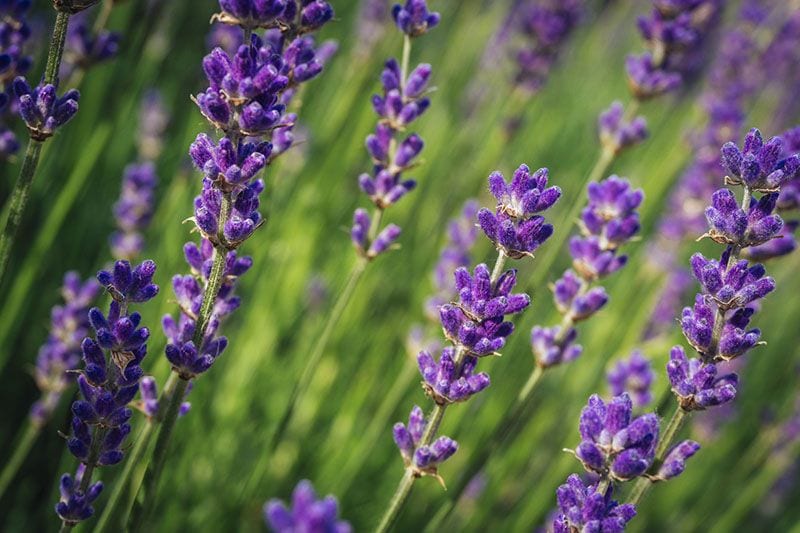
[(716, 326), (393, 153), (14, 61), (41, 110), (246, 101), (475, 325), (107, 383)]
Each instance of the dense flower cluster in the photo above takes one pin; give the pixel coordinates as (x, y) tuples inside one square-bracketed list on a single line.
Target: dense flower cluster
[(404, 99), (634, 376), (583, 508), (609, 220), (61, 353), (307, 513), (476, 324), (108, 381), (673, 32), (544, 25), (75, 504), (14, 62), (42, 110), (618, 133), (516, 228)]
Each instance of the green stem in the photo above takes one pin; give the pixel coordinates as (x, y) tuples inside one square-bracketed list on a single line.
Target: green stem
[(19, 196), (312, 362), (24, 443), (405, 60), (530, 385), (121, 483), (19, 199), (173, 398), (674, 425), (432, 427)]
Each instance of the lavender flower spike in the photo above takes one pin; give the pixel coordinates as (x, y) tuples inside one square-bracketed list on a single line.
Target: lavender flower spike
[(760, 166), (42, 110), (413, 18), (306, 513), (75, 505), (422, 459), (134, 210), (583, 508)]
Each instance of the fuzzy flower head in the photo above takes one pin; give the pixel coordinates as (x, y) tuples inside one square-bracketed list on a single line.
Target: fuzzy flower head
[(515, 227), (760, 165), (251, 14), (306, 513), (383, 241), (617, 133), (413, 18), (423, 460), (227, 165), (244, 216), (734, 286), (42, 110), (551, 347), (402, 101), (477, 321), (730, 224), (612, 442), (134, 210), (675, 462), (611, 212), (444, 383), (130, 284), (75, 505), (634, 376), (697, 323), (582, 508), (697, 384)]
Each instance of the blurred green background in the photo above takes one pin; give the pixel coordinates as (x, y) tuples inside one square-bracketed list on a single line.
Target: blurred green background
[(218, 473)]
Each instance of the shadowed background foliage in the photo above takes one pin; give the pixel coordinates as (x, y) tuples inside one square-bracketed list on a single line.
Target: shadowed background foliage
[(218, 475)]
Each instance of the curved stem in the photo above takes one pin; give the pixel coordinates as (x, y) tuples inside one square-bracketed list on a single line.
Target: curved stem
[(19, 196), (24, 443), (173, 398), (307, 374), (435, 418), (121, 483), (673, 427)]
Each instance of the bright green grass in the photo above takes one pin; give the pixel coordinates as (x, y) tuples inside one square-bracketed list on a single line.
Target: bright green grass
[(209, 482)]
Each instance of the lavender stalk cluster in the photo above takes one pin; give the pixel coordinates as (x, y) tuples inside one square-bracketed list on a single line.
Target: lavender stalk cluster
[(674, 32), (717, 325), (246, 100), (476, 324), (393, 152), (609, 221), (14, 61), (107, 383), (61, 352), (615, 447), (544, 25)]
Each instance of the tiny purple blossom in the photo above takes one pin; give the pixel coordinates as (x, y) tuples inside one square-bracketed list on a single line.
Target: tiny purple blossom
[(617, 134), (675, 462), (424, 459), (413, 18), (582, 508), (446, 384), (306, 513), (42, 110), (696, 384), (75, 505)]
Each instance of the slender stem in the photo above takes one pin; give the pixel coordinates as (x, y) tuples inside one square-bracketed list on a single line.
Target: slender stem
[(24, 443), (173, 398), (121, 483), (405, 60), (56, 48), (403, 489), (19, 199), (530, 385), (673, 427), (307, 374), (19, 196)]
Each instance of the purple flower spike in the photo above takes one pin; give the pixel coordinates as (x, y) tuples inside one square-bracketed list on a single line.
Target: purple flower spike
[(730, 224), (611, 212), (228, 166), (422, 459), (41, 110), (731, 287), (307, 513), (75, 506), (551, 348), (441, 381), (635, 376), (696, 384), (760, 165), (515, 227), (413, 18), (582, 508), (675, 461), (476, 322), (134, 210), (130, 284), (613, 443), (616, 134)]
